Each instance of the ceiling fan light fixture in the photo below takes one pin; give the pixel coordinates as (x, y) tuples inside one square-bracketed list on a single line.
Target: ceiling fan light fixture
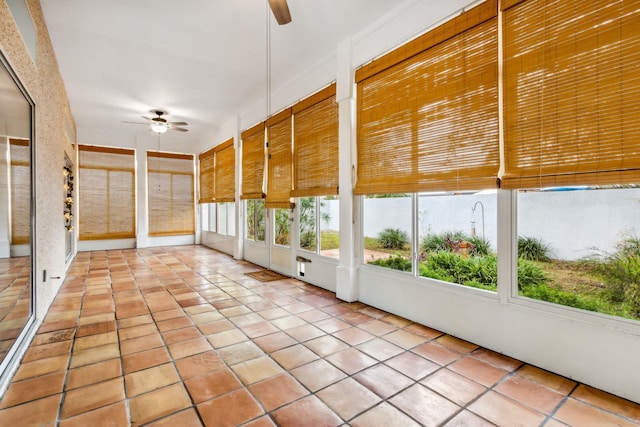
[(159, 127)]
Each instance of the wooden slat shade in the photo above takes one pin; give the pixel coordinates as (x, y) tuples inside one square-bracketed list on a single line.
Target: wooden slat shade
[(279, 160), (225, 172), (106, 193), (20, 170), (170, 194), (430, 121), (315, 148), (572, 86), (253, 159), (207, 176)]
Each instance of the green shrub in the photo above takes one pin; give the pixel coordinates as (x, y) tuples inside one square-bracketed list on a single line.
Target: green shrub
[(395, 262), (440, 242), (532, 249), (530, 274), (621, 274), (544, 293), (393, 238), (481, 246)]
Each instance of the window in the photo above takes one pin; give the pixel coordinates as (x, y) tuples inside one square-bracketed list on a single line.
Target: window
[(226, 214), (20, 171), (170, 194), (387, 231), (106, 195), (256, 220), (457, 238), (569, 255), (282, 234), (319, 224)]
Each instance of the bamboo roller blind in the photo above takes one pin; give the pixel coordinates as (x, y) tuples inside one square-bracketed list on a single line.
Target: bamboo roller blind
[(170, 194), (225, 172), (572, 85), (315, 145), (279, 158), (106, 193), (428, 112), (207, 176), (253, 160), (20, 155)]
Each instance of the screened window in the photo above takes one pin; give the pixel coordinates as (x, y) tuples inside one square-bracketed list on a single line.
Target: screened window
[(170, 194), (256, 215), (428, 111), (106, 193)]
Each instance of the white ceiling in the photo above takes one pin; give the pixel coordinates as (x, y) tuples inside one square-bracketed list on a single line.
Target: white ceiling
[(203, 61)]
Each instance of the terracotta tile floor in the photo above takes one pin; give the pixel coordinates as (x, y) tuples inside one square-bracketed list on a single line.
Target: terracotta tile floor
[(180, 336)]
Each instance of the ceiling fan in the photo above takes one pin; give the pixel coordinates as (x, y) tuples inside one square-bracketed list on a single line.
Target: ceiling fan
[(280, 11), (159, 124)]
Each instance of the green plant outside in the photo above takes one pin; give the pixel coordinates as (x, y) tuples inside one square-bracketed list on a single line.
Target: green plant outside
[(619, 273)]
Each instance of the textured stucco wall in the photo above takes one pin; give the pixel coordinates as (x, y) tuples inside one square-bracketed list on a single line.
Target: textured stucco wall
[(52, 139)]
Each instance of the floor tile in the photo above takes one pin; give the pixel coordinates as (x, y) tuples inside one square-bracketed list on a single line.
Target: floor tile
[(318, 374), (555, 382), (274, 342), (292, 357), (214, 384), (182, 349), (145, 359), (454, 387), (405, 339), (607, 402), (502, 411), (325, 345), (147, 380), (382, 380), (277, 391), (256, 370), (383, 415), (94, 373), (456, 344), (478, 371), (353, 336), (351, 360), (136, 345), (225, 338), (437, 353), (576, 413), (230, 410), (41, 412), (469, 419), (412, 365), (310, 409), (92, 397), (59, 348), (198, 364), (348, 398), (380, 349), (186, 418), (40, 367), (115, 414), (157, 404), (241, 352), (529, 393), (33, 388), (305, 332), (424, 405)]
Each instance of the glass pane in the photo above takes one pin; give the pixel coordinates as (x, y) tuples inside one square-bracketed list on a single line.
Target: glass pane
[(329, 226), (204, 216), (256, 219), (457, 238), (213, 215), (282, 226), (387, 231), (222, 218), (231, 218), (580, 247), (308, 224)]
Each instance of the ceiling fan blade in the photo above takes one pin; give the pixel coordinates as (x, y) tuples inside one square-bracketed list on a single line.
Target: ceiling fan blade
[(137, 123), (280, 11), (177, 123), (146, 118), (179, 129)]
